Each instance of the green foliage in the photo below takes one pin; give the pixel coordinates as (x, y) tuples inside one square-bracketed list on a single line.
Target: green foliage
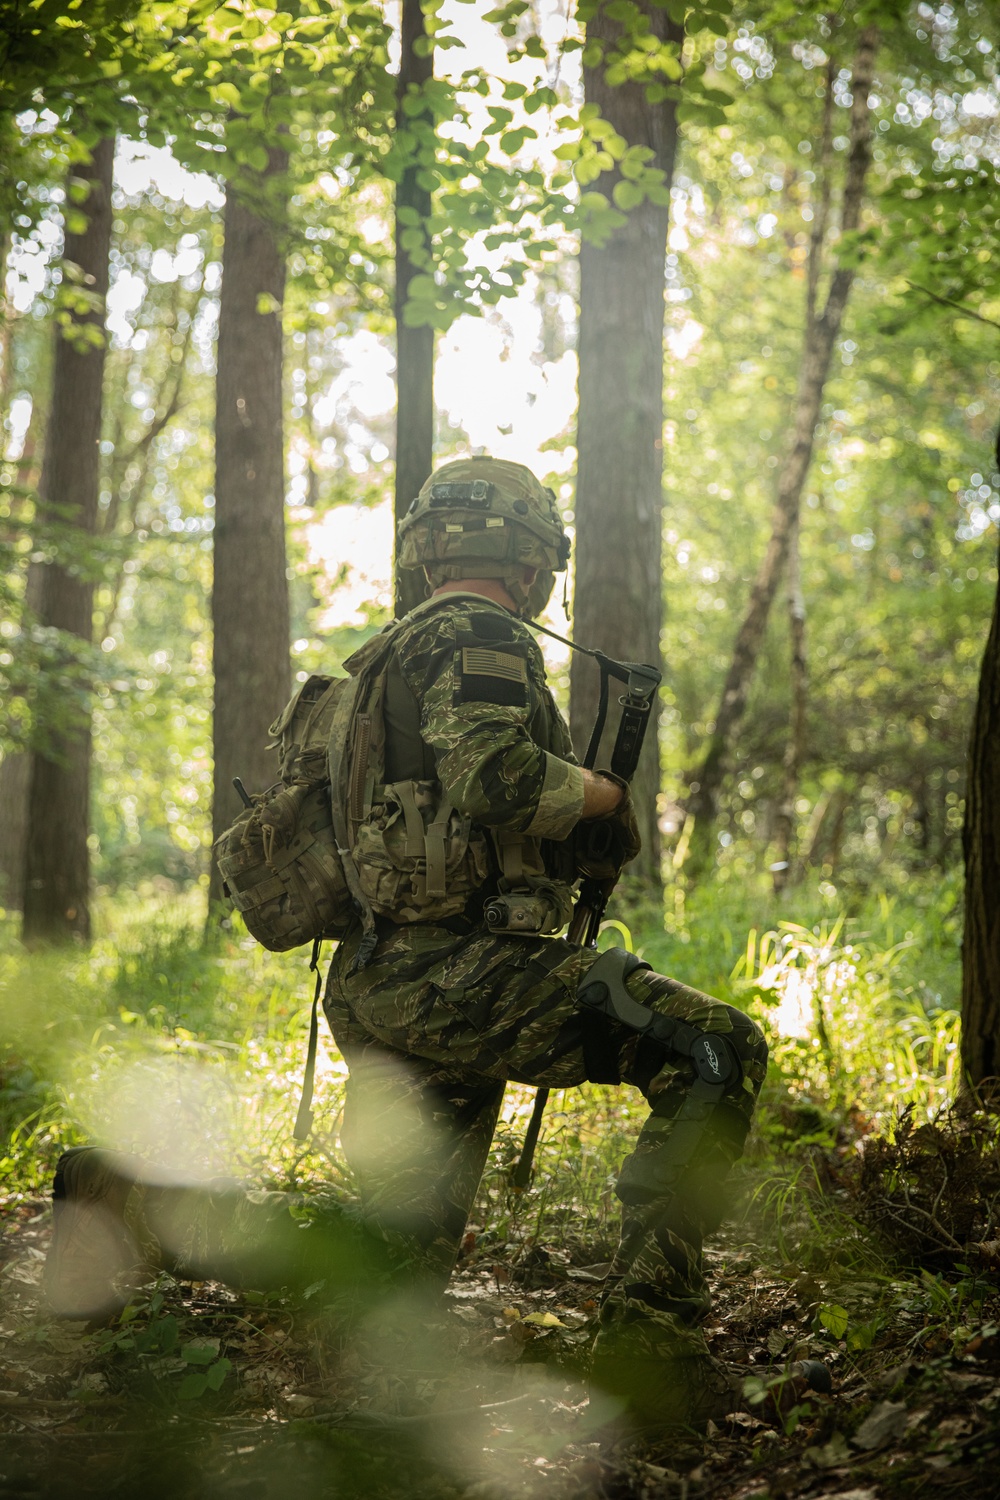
[(897, 540)]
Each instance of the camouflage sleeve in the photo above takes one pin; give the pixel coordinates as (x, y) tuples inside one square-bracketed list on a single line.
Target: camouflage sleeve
[(479, 681)]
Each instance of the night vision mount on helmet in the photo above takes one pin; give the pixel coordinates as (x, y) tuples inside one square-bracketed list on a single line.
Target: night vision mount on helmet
[(486, 518)]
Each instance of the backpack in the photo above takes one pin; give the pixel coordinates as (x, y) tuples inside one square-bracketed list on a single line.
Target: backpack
[(331, 842), (279, 861)]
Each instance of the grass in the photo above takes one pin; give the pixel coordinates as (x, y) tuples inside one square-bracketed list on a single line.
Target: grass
[(193, 1055), (156, 1043)]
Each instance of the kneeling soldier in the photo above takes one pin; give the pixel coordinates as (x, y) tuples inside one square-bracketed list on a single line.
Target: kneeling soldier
[(465, 804)]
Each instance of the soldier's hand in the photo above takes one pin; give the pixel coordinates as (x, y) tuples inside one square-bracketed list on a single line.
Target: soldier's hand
[(602, 846)]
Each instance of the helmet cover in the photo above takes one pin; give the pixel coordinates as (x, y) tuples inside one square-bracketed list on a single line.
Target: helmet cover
[(486, 518)]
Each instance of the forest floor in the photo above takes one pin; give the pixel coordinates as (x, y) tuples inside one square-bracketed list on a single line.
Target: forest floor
[(867, 1235), (486, 1397)]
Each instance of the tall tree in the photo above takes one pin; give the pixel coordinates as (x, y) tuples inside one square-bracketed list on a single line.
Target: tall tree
[(15, 783), (981, 848), (821, 330), (782, 870), (57, 866), (250, 613), (618, 599), (414, 343)]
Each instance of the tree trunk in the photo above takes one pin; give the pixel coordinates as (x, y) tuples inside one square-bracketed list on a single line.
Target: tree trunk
[(15, 785), (250, 612), (6, 326), (784, 840), (15, 770), (821, 334), (981, 848), (414, 346), (618, 589), (57, 858)]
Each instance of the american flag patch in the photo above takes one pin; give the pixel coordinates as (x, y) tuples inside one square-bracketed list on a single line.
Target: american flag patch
[(480, 661)]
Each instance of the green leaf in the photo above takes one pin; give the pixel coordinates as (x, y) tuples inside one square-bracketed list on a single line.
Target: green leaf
[(422, 289), (217, 1373), (627, 195), (515, 139), (834, 1319), (200, 1351), (588, 169), (226, 93), (193, 1386), (717, 96)]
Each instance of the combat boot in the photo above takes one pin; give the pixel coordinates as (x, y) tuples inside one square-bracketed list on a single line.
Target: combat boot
[(650, 1382), (95, 1260), (646, 1383)]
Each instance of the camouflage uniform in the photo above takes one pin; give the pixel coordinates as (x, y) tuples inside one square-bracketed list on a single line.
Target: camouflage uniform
[(443, 1010), (445, 1013)]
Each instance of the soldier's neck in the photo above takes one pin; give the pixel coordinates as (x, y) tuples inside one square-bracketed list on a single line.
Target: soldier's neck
[(490, 588)]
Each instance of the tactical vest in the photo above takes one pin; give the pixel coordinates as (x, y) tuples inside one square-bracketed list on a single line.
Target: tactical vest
[(359, 827)]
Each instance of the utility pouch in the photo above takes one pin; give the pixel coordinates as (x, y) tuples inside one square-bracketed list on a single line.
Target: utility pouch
[(418, 859), (281, 869)]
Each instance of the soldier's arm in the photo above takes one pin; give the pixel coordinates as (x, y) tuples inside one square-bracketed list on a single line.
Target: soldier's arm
[(600, 796), (476, 698)]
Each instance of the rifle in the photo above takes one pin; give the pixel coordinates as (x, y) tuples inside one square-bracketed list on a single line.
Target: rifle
[(641, 682)]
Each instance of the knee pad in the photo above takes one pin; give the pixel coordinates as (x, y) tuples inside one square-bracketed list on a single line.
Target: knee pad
[(716, 1060), (747, 1038)]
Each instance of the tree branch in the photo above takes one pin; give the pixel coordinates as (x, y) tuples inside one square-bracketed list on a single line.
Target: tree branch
[(967, 312)]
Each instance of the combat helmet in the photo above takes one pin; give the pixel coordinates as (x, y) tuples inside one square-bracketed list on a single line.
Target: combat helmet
[(486, 518)]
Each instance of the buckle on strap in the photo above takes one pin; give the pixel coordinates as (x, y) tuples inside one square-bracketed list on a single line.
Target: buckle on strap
[(604, 990)]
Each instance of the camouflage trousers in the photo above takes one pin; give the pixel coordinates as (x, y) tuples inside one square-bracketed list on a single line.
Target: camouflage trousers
[(432, 1030)]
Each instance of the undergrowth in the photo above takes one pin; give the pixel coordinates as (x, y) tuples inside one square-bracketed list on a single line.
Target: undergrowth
[(864, 1230), (191, 1054)]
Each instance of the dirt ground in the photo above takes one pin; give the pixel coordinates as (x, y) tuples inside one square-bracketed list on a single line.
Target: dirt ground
[(202, 1393)]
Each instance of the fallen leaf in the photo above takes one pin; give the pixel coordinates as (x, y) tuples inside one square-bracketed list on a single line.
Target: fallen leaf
[(598, 1272), (776, 1341), (831, 1455), (951, 1428), (886, 1422), (300, 1403), (544, 1320), (657, 1472), (984, 1345), (889, 1379)]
